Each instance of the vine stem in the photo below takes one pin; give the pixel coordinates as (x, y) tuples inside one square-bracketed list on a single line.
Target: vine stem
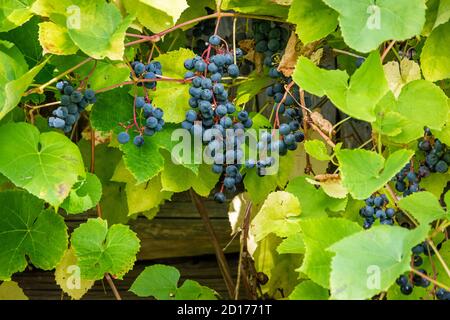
[(386, 51), (55, 103), (435, 282), (223, 264), (395, 198), (131, 82), (156, 37), (243, 246), (347, 53), (99, 213), (438, 255), (441, 228), (322, 134), (113, 286), (306, 123)]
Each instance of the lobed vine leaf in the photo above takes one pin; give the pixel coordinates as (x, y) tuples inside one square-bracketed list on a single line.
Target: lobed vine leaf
[(364, 172), (47, 165), (365, 25), (318, 235), (101, 250), (27, 230), (384, 252)]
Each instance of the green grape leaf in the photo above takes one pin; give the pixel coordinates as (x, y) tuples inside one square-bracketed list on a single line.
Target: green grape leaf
[(14, 77), (441, 272), (202, 182), (318, 235), (197, 8), (435, 59), (259, 187), (14, 13), (192, 290), (173, 97), (47, 165), (279, 215), (251, 87), (308, 290), (358, 98), (293, 244), (28, 230), (364, 172), (423, 206), (443, 13), (145, 196), (368, 85), (365, 25), (81, 19), (389, 123), (26, 40), (314, 202), (84, 195), (101, 250), (156, 15), (158, 280), (55, 39), (317, 149), (161, 281), (313, 18), (13, 62), (384, 253), (113, 201), (102, 119), (67, 276), (144, 162), (140, 197), (259, 7), (106, 74), (410, 104), (435, 183)]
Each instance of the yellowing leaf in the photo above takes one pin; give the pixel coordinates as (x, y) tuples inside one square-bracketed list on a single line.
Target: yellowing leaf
[(10, 290), (398, 75), (279, 215), (68, 277)]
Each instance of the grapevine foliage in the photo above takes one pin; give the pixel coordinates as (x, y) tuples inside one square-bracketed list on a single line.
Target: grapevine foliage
[(106, 109)]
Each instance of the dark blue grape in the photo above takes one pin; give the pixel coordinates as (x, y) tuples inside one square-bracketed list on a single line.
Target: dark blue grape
[(138, 141), (123, 137)]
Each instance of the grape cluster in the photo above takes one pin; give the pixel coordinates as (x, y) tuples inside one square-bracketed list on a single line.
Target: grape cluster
[(407, 181), (376, 208), (270, 38), (407, 284), (148, 72), (153, 119), (212, 116), (73, 102), (437, 154), (442, 294)]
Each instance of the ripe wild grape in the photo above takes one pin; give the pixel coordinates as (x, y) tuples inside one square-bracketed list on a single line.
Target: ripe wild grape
[(212, 115), (73, 102)]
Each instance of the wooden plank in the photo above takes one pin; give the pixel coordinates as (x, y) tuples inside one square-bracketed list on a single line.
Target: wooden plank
[(167, 238), (41, 285)]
